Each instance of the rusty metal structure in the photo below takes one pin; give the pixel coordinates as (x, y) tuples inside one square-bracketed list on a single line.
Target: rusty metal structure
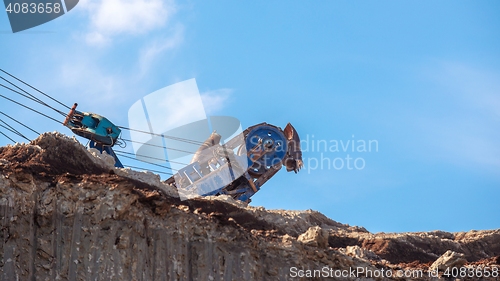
[(241, 166)]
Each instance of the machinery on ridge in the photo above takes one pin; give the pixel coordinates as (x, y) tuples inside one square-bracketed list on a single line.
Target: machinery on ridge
[(237, 168), (242, 165), (101, 133)]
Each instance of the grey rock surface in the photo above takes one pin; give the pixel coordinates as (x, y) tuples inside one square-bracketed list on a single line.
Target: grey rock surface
[(449, 259)]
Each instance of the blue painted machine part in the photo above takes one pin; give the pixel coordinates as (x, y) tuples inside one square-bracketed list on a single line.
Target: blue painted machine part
[(94, 127), (268, 138), (246, 196), (108, 149)]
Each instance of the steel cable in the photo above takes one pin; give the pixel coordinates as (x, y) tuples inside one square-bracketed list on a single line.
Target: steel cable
[(149, 157), (8, 137), (34, 88), (30, 96), (11, 129), (164, 136), (20, 123), (53, 119)]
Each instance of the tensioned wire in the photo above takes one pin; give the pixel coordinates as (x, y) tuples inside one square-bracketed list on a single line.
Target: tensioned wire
[(7, 137), (30, 96), (13, 130), (26, 94)]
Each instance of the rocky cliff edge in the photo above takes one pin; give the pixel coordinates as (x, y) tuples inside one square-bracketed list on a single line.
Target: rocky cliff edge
[(67, 214)]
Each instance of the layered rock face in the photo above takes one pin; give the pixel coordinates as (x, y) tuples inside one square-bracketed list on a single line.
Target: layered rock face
[(65, 214)]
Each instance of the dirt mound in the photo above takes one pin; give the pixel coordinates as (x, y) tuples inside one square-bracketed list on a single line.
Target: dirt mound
[(51, 154), (423, 247)]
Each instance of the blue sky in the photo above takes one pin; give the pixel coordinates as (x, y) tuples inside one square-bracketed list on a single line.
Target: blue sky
[(422, 79)]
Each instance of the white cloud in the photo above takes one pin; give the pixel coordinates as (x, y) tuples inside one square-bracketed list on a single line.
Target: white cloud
[(109, 18), (214, 101), (96, 39), (93, 88), (150, 53), (91, 72), (478, 88), (465, 129)]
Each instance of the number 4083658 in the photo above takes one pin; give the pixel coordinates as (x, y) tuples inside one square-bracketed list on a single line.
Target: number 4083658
[(33, 8)]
